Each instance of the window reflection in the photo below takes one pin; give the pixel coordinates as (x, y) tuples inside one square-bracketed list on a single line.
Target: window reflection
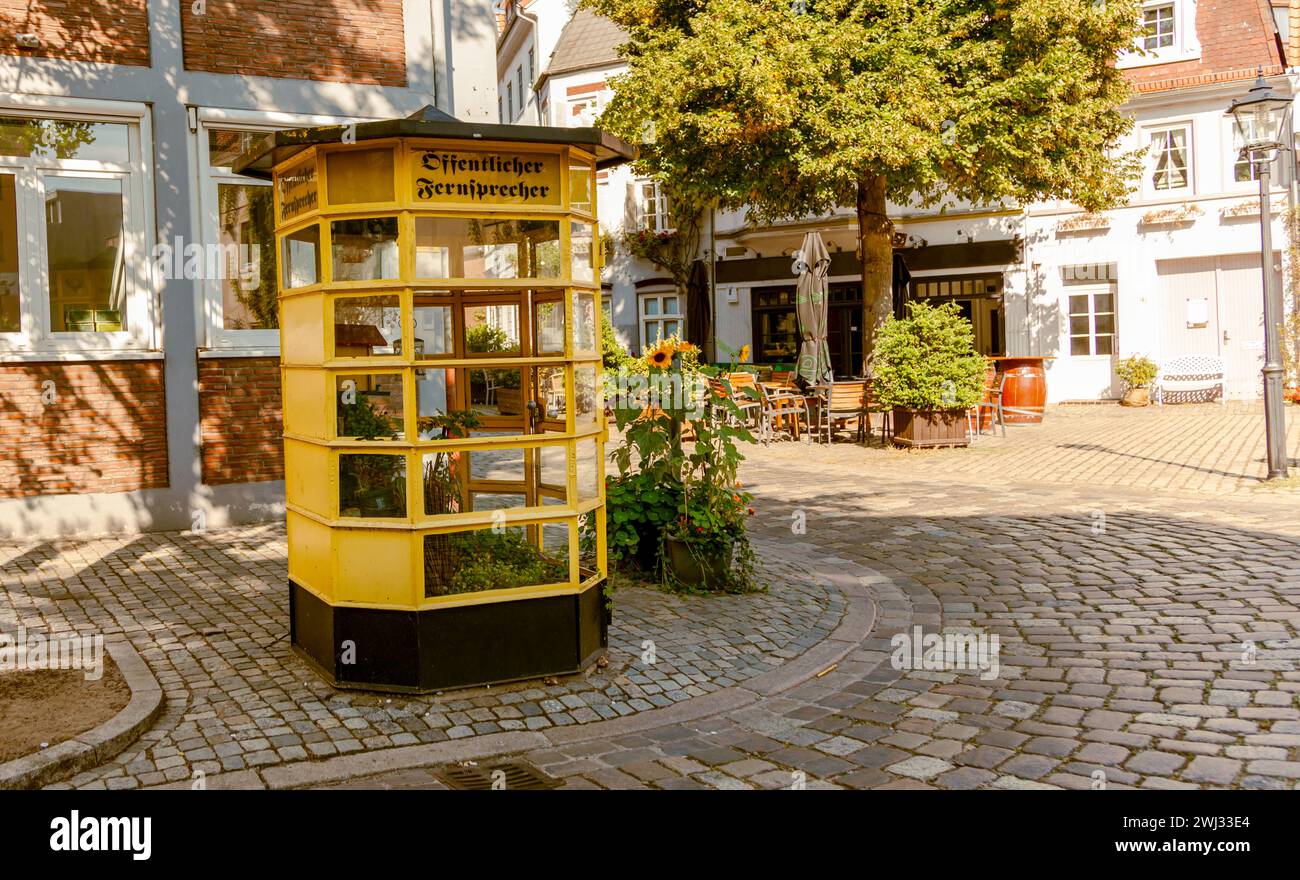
[(447, 247), (365, 249), (83, 233)]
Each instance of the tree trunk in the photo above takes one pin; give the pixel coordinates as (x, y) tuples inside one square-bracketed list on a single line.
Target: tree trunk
[(876, 247)]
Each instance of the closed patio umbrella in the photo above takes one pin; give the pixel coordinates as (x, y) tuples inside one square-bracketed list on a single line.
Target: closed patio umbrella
[(812, 309)]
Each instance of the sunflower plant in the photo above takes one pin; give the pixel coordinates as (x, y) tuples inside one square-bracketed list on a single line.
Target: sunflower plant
[(665, 488)]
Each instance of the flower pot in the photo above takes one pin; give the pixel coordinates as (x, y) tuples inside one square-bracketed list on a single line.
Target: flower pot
[(510, 401), (930, 427), (1136, 397), (707, 573)]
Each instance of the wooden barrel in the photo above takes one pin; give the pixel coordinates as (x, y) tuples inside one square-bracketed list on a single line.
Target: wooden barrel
[(1025, 390)]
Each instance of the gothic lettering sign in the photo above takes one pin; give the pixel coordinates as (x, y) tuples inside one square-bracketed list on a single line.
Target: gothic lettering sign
[(451, 176), (298, 190)]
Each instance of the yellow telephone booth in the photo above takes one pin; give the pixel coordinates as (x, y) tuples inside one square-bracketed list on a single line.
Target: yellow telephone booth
[(444, 427)]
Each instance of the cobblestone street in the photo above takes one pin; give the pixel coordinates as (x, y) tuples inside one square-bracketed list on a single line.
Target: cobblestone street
[(1146, 595)]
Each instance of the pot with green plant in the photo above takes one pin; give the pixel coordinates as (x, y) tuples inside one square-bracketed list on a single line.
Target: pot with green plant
[(928, 370), (1137, 373)]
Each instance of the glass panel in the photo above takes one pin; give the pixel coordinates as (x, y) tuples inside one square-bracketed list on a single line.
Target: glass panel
[(435, 395), (359, 176), (1105, 324), (489, 248), (588, 470), (490, 559), (496, 392), (583, 256), (670, 304), (10, 310), (301, 257), (496, 500), (588, 394), (550, 392), (369, 406), (580, 187), (552, 466), (434, 333), (364, 250), (584, 324), (1079, 345), (247, 230), (548, 319), (372, 485), (1079, 324), (492, 328), (1104, 302), (670, 329), (496, 464), (65, 139), (443, 489), (1104, 344), (651, 306), (587, 537), (1079, 305), (365, 326), (83, 236), (227, 145)]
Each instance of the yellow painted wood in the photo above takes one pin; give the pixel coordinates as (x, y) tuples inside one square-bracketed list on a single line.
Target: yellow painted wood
[(378, 562)]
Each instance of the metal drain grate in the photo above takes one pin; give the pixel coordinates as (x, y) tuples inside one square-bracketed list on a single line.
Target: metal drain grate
[(509, 777)]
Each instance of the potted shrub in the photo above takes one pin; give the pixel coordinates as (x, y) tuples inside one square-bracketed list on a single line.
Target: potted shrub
[(927, 369), (1137, 373)]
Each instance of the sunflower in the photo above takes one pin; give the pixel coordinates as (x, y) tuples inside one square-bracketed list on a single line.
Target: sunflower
[(744, 353), (662, 355)]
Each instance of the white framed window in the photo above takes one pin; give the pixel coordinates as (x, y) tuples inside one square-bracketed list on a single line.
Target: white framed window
[(1167, 33), (1169, 157), (583, 111), (236, 228), (1092, 321), (661, 317), (238, 234), (651, 206), (1158, 26), (75, 275), (510, 99), (1244, 170)]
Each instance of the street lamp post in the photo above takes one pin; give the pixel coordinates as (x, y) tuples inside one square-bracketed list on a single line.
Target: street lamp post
[(1262, 121)]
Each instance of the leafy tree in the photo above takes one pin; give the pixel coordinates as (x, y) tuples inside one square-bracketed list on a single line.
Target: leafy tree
[(796, 108)]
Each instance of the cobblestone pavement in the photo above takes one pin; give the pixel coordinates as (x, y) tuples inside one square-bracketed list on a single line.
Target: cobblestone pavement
[(1148, 639), (208, 614), (1202, 448)]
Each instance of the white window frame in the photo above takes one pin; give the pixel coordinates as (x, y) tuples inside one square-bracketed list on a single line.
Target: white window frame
[(1186, 45), (651, 207), (140, 309), (1148, 175), (644, 321), (1092, 291), (208, 222), (1231, 151), (591, 106)]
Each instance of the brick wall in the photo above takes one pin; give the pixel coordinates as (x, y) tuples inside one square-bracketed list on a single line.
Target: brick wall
[(1236, 37), (240, 420), (359, 41), (112, 31), (75, 428)]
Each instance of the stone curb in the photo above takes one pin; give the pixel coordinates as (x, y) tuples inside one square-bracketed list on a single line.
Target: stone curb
[(100, 743), (852, 580)]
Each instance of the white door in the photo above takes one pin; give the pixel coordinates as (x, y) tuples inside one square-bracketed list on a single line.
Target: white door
[(1215, 306)]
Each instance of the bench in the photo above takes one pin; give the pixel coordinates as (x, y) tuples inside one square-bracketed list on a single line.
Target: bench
[(1193, 372)]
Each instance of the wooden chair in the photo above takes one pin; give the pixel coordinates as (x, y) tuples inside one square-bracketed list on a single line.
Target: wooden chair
[(886, 413), (991, 400), (733, 385), (779, 405), (843, 402), (783, 377)]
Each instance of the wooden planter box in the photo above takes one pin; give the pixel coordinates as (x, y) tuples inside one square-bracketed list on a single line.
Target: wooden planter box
[(510, 401), (930, 427)]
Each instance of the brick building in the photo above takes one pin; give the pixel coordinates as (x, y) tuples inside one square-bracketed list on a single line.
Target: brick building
[(139, 380)]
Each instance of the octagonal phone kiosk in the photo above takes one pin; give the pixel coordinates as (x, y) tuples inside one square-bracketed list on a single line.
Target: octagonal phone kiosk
[(444, 428)]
